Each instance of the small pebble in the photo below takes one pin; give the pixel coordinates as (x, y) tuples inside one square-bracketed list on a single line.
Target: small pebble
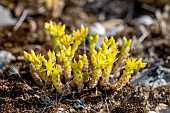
[(97, 28), (5, 58), (145, 20), (61, 110)]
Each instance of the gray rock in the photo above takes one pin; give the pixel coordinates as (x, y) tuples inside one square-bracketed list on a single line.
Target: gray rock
[(162, 108), (5, 58), (5, 17), (151, 112), (97, 28), (152, 77), (158, 82), (166, 110), (145, 20)]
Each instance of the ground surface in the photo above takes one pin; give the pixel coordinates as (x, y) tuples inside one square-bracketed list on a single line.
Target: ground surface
[(15, 96)]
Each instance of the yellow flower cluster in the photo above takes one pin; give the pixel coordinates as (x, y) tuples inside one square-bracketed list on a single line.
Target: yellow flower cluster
[(66, 40), (103, 59), (124, 52), (65, 45), (126, 46), (36, 60), (45, 68), (61, 65), (57, 31), (131, 65), (79, 35)]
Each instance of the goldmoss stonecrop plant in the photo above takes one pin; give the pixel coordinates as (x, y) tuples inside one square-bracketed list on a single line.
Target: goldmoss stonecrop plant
[(66, 45), (92, 69)]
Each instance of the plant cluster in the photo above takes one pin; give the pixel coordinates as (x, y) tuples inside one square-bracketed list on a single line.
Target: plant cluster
[(62, 67)]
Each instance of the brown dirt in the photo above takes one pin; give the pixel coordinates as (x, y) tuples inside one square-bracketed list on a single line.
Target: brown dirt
[(15, 97)]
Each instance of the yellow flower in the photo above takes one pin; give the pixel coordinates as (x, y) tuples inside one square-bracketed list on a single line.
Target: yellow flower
[(98, 60), (77, 65), (51, 56), (56, 30), (67, 52), (83, 58), (55, 74), (81, 33), (133, 63), (36, 60), (67, 40), (104, 46), (93, 38), (126, 45), (49, 65)]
